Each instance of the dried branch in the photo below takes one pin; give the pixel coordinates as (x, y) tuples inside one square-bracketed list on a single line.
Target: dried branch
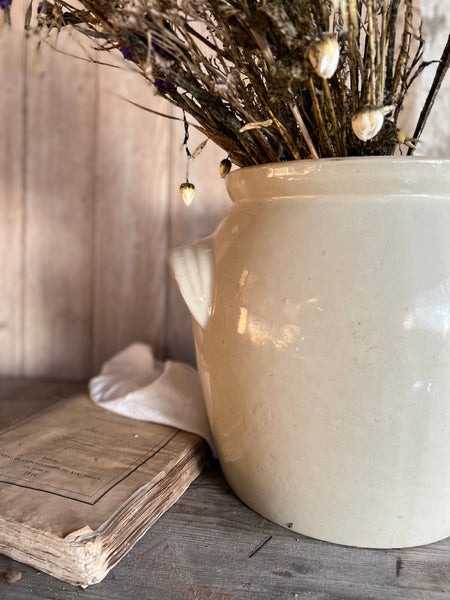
[(255, 74), (441, 71)]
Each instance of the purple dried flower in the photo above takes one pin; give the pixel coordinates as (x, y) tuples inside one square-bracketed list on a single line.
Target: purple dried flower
[(163, 85), (129, 54), (40, 6), (157, 48), (161, 53), (4, 4)]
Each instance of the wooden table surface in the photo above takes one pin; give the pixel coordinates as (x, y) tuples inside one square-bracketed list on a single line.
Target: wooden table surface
[(209, 546)]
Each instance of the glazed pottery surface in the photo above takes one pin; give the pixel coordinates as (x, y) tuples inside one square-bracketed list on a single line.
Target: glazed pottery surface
[(321, 313)]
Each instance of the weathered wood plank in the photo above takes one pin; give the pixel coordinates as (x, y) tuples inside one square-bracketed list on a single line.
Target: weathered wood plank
[(206, 548), (12, 53), (131, 234), (64, 333), (19, 398), (60, 139), (201, 549)]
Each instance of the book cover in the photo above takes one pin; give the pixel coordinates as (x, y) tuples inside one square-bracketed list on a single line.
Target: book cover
[(80, 485)]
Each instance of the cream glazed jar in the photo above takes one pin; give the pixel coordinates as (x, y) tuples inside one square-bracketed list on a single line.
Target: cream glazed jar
[(321, 311)]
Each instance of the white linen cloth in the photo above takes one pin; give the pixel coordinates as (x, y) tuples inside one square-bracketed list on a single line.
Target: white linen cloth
[(134, 384)]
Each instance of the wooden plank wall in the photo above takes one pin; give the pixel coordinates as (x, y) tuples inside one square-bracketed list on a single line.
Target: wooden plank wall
[(89, 207), (12, 54)]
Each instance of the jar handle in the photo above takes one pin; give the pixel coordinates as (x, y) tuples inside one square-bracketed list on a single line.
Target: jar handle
[(193, 269)]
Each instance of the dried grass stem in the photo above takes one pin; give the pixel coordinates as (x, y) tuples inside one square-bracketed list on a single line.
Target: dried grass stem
[(232, 62)]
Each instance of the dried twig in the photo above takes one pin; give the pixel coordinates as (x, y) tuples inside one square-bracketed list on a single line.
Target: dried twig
[(441, 71), (243, 68)]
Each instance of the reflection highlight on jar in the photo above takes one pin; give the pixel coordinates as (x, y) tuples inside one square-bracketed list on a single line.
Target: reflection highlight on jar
[(260, 332), (422, 385), (315, 301), (431, 311), (243, 277), (242, 323)]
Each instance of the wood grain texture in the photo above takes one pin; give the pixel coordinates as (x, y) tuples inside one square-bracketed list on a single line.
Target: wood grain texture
[(20, 398), (12, 53), (206, 548), (60, 138), (131, 219), (84, 236), (199, 550)]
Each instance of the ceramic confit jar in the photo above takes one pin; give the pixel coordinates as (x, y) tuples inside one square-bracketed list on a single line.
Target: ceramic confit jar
[(321, 310)]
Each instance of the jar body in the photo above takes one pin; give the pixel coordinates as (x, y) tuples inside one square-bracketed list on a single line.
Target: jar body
[(325, 361)]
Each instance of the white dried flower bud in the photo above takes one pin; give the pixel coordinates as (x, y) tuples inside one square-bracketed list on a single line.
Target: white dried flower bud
[(324, 56), (367, 122), (187, 191)]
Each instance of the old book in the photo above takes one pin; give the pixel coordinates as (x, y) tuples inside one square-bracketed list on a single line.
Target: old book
[(80, 485)]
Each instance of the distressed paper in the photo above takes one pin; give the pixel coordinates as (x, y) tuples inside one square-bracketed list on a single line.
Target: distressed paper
[(77, 468)]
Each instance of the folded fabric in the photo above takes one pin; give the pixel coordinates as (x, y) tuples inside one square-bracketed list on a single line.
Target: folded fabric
[(134, 384)]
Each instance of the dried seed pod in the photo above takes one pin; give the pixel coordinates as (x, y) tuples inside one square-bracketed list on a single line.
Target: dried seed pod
[(367, 122), (324, 56), (224, 167), (402, 138), (187, 191)]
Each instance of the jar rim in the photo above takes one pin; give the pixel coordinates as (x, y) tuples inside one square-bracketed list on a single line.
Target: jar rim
[(345, 177)]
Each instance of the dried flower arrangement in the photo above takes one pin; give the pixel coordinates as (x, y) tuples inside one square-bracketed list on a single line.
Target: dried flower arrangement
[(269, 80)]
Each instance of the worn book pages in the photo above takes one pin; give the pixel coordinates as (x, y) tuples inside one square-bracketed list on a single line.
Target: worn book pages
[(80, 485)]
